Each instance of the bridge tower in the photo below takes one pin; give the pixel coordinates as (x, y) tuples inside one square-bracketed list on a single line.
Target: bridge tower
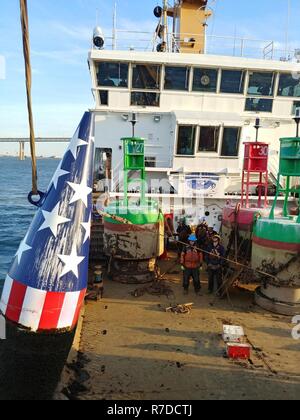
[(22, 150)]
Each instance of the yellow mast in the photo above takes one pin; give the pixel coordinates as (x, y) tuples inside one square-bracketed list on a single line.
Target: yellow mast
[(190, 22)]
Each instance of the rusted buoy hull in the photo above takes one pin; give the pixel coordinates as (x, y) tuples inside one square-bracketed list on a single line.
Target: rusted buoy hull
[(276, 251), (131, 242), (134, 244), (242, 220)]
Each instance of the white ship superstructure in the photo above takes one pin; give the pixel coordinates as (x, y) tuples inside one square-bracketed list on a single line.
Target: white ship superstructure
[(194, 109)]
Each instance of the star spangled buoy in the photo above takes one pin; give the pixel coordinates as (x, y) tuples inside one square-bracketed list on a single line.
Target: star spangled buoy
[(46, 284)]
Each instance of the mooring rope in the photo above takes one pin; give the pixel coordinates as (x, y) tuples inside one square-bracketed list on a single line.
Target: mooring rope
[(26, 52)]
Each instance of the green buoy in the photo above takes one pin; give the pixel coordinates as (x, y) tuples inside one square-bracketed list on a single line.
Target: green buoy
[(133, 227), (276, 241)]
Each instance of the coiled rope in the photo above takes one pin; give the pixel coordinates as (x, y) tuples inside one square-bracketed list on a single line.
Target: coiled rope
[(26, 52)]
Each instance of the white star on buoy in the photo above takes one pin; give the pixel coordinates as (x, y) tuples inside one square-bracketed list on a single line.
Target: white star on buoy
[(87, 229), (71, 262), (23, 248), (74, 144), (59, 172), (81, 192), (52, 220)]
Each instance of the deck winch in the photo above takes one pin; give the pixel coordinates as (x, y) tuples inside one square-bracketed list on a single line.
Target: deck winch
[(237, 223), (133, 227), (276, 240)]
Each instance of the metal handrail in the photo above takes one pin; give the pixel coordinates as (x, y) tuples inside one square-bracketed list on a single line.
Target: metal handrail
[(215, 44)]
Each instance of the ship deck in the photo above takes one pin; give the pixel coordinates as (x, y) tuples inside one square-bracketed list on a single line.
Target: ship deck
[(131, 349)]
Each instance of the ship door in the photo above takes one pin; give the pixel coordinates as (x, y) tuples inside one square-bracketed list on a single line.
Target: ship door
[(103, 169)]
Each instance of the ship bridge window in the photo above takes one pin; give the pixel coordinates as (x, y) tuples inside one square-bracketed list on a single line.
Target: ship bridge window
[(145, 99), (289, 85), (186, 140), (146, 76), (205, 80), (103, 97), (209, 139), (261, 84), (112, 74), (233, 81), (231, 141), (150, 162), (177, 78), (259, 105), (296, 105)]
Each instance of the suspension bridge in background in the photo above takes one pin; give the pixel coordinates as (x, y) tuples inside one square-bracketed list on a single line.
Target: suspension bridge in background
[(23, 141)]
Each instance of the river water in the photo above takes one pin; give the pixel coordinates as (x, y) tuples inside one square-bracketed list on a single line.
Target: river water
[(15, 211)]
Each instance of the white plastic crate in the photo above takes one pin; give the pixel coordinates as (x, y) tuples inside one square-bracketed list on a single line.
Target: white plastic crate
[(233, 334)]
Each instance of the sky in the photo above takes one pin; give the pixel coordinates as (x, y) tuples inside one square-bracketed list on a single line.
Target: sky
[(60, 32)]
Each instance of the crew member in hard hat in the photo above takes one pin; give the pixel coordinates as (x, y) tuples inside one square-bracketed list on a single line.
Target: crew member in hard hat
[(202, 236), (183, 232), (215, 263), (191, 261)]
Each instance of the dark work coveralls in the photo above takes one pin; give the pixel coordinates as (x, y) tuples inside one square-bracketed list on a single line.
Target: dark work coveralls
[(215, 266), (183, 233)]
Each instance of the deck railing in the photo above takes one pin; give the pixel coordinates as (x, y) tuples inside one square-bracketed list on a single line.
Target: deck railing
[(214, 45)]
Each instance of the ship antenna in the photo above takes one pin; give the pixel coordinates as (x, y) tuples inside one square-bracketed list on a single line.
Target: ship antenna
[(114, 35), (288, 19), (165, 25)]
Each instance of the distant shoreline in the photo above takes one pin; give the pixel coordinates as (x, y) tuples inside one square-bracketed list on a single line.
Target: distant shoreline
[(28, 158)]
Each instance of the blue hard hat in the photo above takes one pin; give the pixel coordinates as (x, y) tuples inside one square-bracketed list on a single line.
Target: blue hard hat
[(192, 238)]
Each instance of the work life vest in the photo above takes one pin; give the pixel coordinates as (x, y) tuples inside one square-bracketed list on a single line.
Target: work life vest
[(191, 258)]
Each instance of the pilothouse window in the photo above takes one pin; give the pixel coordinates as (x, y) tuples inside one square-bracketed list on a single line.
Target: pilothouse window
[(112, 74), (289, 85), (186, 140), (205, 80), (103, 97), (296, 105), (209, 139), (146, 76), (145, 99), (261, 84), (231, 141), (177, 78), (233, 81), (259, 105)]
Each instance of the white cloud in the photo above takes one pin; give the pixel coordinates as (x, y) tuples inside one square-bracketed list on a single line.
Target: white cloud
[(128, 35), (140, 25), (80, 33), (67, 56)]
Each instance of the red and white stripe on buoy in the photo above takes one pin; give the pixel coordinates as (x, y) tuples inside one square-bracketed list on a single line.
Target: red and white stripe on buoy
[(39, 310)]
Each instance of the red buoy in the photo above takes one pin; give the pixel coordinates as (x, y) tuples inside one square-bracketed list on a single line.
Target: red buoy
[(238, 219), (255, 163)]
